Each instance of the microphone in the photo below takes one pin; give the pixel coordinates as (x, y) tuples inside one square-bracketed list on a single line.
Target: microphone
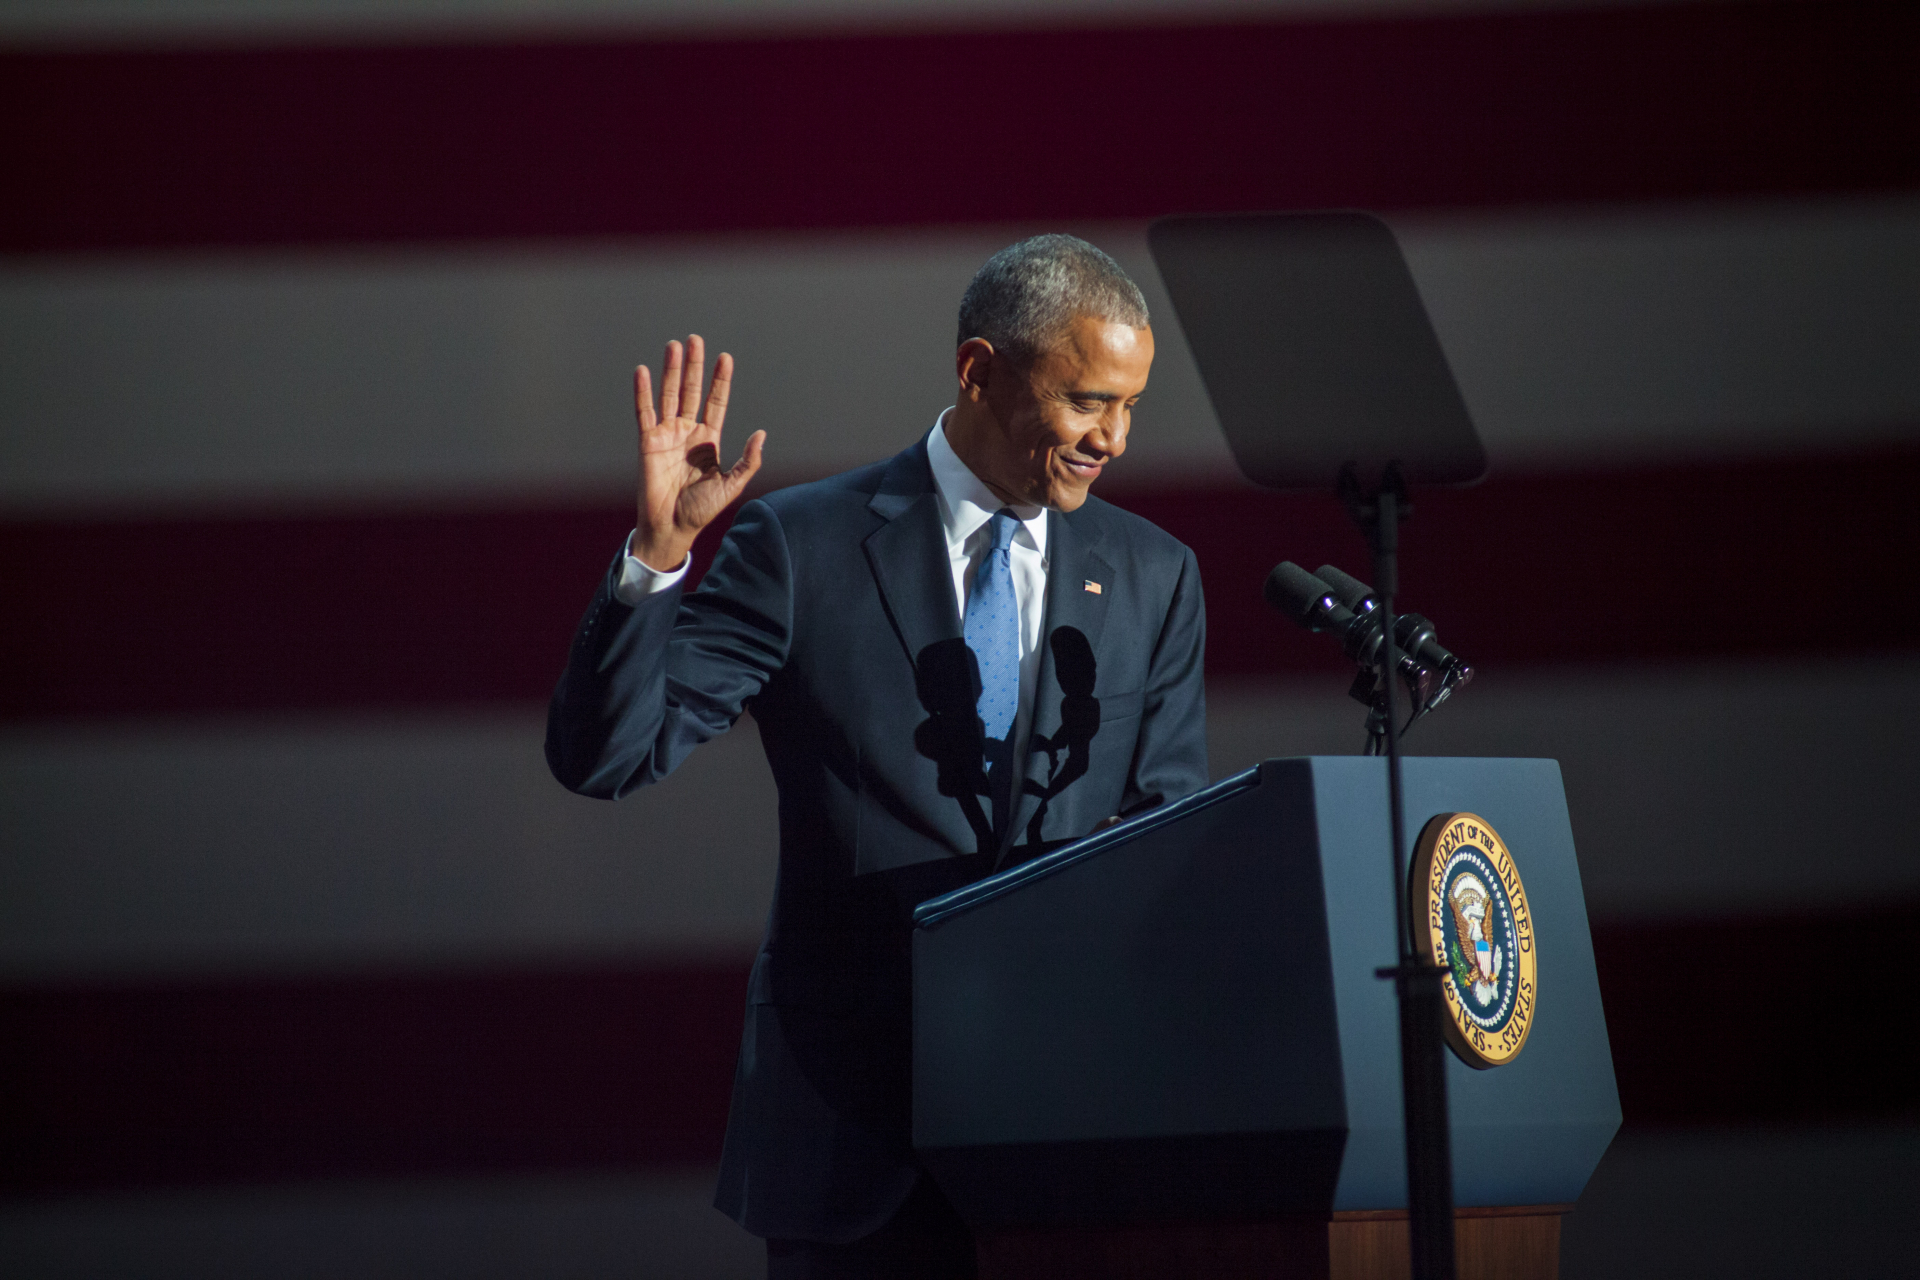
[(1414, 633), (1340, 604), (1314, 604), (1306, 598), (1346, 588)]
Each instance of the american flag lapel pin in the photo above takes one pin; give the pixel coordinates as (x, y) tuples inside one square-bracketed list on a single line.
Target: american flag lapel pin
[(1093, 586)]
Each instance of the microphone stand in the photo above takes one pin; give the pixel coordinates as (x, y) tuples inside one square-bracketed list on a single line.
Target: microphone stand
[(1423, 1078)]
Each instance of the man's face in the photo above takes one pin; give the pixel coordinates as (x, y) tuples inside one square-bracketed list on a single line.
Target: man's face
[(1058, 422)]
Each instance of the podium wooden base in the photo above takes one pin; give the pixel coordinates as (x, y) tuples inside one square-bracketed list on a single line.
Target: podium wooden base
[(1502, 1243), (1509, 1242)]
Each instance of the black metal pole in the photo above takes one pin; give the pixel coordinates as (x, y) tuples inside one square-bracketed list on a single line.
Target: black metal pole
[(1423, 1076), (1386, 575)]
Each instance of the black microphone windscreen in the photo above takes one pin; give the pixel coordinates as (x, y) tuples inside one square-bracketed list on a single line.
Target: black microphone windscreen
[(1295, 592), (1346, 588)]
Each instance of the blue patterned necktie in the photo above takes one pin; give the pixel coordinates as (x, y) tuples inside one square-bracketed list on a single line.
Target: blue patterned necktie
[(993, 631)]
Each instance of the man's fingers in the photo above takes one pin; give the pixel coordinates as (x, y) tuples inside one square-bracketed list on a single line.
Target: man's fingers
[(670, 382), (696, 369), (643, 397), (717, 397), (742, 471)]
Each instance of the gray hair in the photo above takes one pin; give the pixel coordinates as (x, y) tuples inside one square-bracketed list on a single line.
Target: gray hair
[(1028, 294)]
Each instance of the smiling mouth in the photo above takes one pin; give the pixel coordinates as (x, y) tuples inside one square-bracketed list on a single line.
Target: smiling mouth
[(1086, 470)]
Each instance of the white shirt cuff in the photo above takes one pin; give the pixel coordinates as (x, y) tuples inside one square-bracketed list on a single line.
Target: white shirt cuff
[(638, 579)]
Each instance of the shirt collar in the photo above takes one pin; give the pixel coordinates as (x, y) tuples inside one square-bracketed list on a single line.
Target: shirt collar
[(965, 501)]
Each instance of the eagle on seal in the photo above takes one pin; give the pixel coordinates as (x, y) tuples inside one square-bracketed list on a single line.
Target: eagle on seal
[(1472, 906)]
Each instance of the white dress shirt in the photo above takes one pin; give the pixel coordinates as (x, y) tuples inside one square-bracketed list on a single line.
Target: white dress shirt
[(966, 507)]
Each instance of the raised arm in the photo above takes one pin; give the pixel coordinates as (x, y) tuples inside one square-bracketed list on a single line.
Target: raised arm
[(647, 679)]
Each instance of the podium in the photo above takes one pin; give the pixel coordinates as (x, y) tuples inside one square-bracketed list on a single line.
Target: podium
[(1163, 1050)]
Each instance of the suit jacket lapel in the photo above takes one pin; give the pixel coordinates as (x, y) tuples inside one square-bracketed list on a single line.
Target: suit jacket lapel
[(908, 554), (1073, 562)]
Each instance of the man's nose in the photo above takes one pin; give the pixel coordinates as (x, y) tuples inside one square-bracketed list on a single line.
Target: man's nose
[(1110, 437)]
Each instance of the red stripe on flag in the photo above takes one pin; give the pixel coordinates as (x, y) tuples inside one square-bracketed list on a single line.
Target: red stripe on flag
[(390, 611), (630, 137), (388, 1074), (559, 1069)]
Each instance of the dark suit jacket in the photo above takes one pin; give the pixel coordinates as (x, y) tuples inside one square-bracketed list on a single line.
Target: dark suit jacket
[(824, 603)]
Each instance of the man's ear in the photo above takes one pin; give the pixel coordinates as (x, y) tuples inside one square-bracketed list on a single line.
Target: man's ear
[(973, 363)]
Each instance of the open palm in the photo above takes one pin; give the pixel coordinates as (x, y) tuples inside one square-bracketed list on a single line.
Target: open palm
[(682, 484)]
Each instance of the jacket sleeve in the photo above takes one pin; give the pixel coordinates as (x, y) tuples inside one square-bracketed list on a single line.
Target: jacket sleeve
[(1170, 760), (646, 685)]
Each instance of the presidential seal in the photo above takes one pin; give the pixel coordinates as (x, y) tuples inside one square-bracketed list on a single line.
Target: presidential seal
[(1470, 911)]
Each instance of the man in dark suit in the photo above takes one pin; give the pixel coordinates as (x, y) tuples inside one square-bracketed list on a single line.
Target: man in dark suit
[(956, 659)]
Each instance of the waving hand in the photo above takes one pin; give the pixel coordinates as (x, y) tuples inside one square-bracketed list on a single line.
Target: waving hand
[(682, 484)]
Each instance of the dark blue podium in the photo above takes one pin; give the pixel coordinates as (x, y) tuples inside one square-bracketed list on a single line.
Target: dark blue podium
[(1176, 1023)]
